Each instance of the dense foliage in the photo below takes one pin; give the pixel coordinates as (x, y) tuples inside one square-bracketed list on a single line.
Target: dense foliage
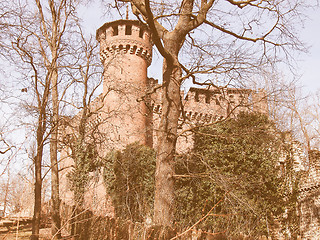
[(129, 177), (85, 161), (233, 170), (236, 161)]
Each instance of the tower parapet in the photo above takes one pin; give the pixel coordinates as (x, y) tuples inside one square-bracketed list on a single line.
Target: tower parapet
[(125, 36)]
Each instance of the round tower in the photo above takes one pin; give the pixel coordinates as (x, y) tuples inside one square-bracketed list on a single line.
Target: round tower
[(126, 53)]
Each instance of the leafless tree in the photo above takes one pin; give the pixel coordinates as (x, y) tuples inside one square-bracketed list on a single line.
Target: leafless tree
[(297, 112), (81, 136), (41, 41), (18, 195)]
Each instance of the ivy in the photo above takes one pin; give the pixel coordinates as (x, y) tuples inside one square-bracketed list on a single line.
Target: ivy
[(85, 161), (238, 161), (129, 177)]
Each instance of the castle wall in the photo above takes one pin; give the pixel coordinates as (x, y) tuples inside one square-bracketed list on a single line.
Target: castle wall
[(309, 199), (129, 110), (205, 107)]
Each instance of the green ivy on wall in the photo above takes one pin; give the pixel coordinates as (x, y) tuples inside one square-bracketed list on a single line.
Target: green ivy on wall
[(237, 161), (129, 177)]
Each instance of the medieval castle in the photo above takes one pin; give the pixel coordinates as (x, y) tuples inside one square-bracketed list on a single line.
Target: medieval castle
[(129, 110)]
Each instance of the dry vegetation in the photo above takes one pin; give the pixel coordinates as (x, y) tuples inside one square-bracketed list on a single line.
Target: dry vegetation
[(23, 234)]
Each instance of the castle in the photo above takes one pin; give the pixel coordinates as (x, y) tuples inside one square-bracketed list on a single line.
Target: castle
[(134, 100), (129, 108)]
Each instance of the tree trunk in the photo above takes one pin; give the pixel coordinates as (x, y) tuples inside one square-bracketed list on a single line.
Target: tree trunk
[(38, 178), (55, 198), (166, 149)]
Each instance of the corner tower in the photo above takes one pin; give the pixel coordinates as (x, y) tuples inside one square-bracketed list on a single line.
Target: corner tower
[(126, 53)]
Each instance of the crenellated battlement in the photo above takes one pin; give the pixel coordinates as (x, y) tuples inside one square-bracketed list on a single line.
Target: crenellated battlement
[(211, 105), (191, 115), (218, 96), (125, 37)]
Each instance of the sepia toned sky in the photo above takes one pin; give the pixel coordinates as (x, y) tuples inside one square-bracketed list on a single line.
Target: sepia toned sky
[(308, 65)]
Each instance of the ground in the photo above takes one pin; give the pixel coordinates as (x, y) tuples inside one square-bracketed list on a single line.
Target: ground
[(23, 234)]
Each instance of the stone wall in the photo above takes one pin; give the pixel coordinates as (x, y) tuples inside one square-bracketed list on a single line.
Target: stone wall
[(205, 107), (309, 199)]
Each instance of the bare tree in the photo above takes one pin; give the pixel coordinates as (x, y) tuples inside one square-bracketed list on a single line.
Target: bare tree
[(204, 40), (41, 41), (298, 113), (81, 136), (18, 195), (41, 91)]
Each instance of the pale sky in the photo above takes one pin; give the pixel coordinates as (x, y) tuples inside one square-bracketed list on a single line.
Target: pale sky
[(308, 64)]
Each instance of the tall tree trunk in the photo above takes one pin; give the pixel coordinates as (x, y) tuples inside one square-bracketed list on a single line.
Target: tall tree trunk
[(55, 198), (38, 177), (166, 149)]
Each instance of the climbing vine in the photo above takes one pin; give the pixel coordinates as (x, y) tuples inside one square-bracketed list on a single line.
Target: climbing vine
[(85, 161), (238, 161), (129, 177)]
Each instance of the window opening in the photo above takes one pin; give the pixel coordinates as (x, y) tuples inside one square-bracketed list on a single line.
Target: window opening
[(196, 97), (128, 29), (115, 30), (208, 98), (231, 98)]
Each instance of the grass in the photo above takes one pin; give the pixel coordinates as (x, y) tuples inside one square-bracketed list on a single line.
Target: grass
[(25, 234)]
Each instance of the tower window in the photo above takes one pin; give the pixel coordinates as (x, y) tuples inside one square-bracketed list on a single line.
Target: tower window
[(141, 33), (208, 98), (196, 97), (115, 30), (128, 29)]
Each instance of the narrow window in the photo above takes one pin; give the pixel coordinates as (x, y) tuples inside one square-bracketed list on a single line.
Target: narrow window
[(115, 30), (128, 29), (282, 168), (141, 33), (208, 98), (196, 97)]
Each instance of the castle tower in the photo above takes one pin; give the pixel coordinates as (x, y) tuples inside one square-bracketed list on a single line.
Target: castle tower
[(126, 53)]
